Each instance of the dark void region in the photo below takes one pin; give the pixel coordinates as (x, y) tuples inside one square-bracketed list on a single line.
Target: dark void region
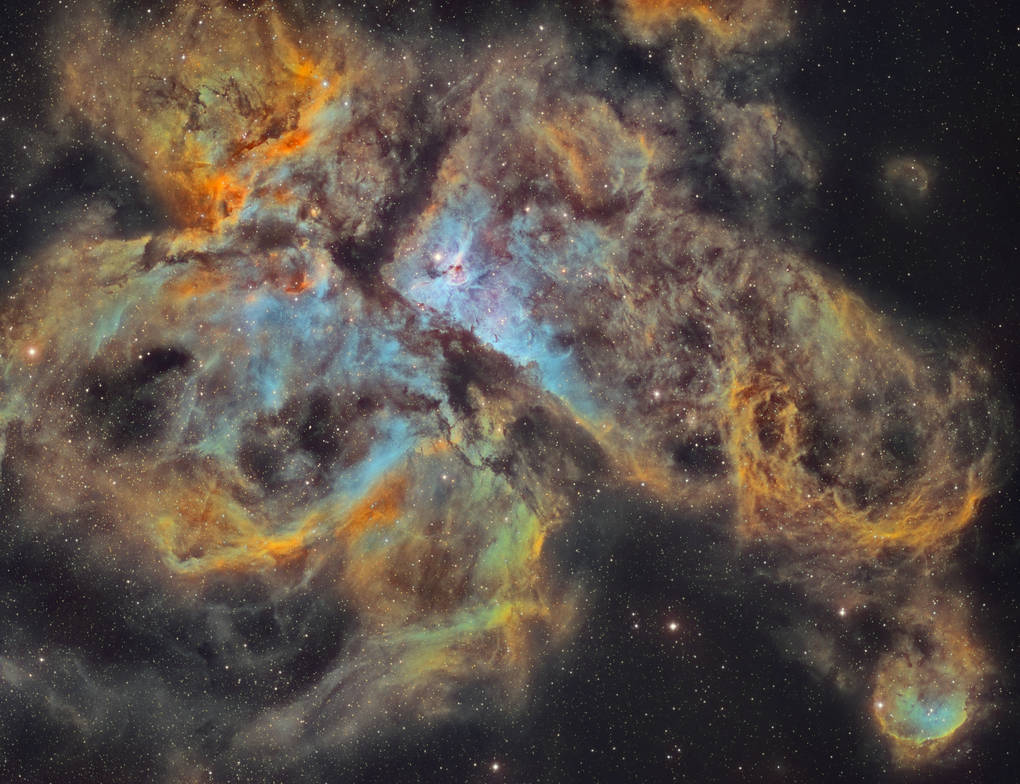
[(935, 82)]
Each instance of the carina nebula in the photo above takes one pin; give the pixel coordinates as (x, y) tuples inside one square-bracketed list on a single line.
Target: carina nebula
[(326, 457)]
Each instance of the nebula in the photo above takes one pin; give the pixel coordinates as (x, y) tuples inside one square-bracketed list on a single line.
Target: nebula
[(409, 314), (929, 685)]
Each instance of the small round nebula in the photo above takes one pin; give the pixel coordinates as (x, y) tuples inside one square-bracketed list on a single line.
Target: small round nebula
[(929, 687)]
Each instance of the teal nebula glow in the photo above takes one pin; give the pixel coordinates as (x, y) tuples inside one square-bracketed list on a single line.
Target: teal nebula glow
[(925, 716)]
